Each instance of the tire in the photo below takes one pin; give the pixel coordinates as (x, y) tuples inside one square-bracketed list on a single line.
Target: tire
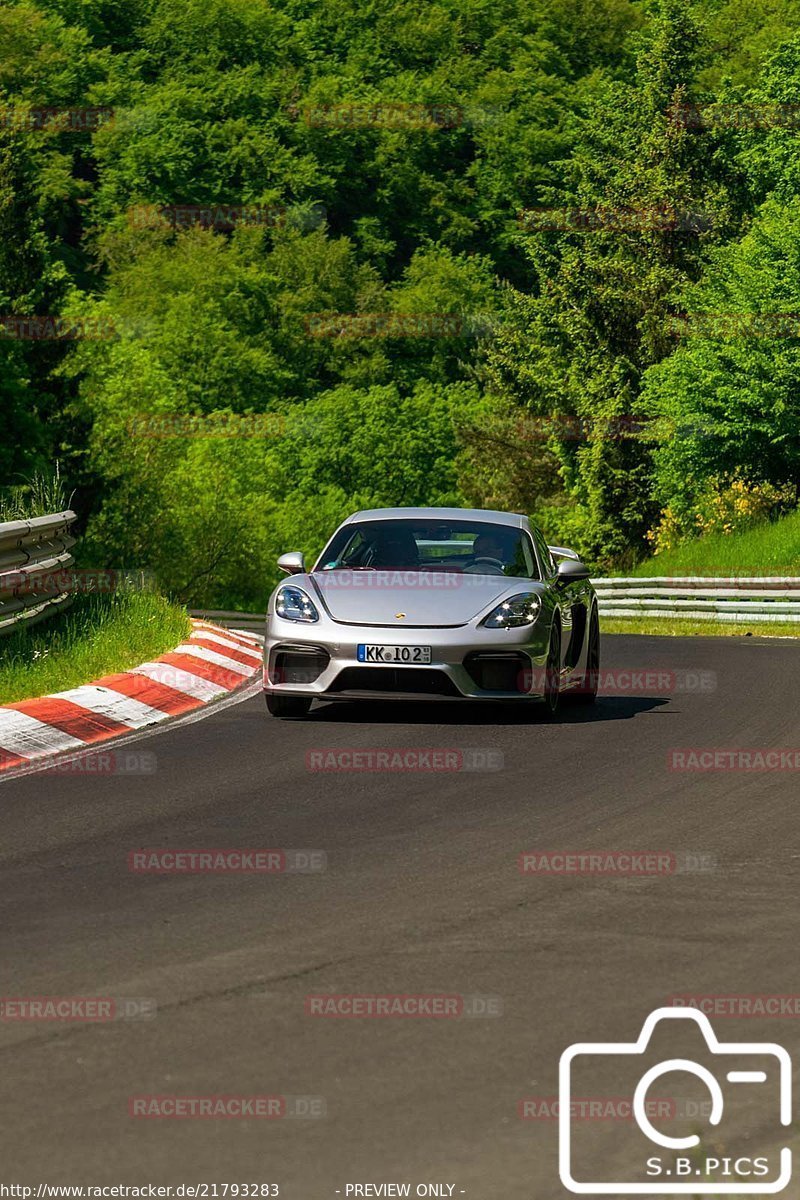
[(552, 688), (587, 692), (288, 708)]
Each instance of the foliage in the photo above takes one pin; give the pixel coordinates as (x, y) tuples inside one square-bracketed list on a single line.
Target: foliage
[(382, 158), (725, 402), (764, 548), (577, 347), (226, 507), (721, 508)]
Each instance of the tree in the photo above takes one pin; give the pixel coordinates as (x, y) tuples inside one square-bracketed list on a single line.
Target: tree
[(726, 404), (575, 349), (28, 281)]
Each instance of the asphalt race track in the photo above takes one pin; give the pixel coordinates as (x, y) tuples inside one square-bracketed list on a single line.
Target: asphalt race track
[(422, 894)]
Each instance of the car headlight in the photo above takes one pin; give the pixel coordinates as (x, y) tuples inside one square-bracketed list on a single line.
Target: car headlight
[(517, 610), (294, 605)]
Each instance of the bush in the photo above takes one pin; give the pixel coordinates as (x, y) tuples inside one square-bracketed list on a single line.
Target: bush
[(722, 507)]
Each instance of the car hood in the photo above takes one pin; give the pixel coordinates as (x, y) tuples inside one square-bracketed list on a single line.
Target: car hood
[(431, 599)]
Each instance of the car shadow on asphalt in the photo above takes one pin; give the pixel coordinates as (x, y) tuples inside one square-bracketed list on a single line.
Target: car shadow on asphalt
[(436, 712)]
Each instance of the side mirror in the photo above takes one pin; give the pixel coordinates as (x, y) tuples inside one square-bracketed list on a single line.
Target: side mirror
[(293, 562), (571, 570)]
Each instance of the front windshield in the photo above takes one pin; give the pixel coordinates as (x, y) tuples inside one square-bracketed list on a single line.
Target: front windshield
[(464, 547)]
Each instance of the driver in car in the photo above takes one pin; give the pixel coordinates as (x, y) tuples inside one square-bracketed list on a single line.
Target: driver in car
[(487, 545)]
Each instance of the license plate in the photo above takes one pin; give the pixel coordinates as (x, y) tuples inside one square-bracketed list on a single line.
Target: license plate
[(394, 654)]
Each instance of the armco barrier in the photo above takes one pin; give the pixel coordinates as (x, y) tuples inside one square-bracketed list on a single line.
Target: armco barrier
[(249, 622), (766, 599), (30, 552)]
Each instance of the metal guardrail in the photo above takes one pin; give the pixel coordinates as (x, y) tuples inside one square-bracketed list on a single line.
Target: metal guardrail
[(30, 552), (765, 598), (249, 622)]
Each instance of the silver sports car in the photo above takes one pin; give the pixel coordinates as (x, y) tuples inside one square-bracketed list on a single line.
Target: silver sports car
[(432, 603)]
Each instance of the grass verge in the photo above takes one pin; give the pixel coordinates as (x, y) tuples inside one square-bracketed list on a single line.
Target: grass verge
[(683, 627), (772, 548), (100, 634)]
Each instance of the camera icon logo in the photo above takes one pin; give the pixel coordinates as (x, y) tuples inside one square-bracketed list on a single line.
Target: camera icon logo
[(682, 1166)]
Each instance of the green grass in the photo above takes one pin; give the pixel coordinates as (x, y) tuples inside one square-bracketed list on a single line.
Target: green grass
[(685, 627), (38, 496), (98, 635), (772, 548)]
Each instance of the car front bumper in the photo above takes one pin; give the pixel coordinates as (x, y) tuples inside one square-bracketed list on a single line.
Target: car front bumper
[(515, 658)]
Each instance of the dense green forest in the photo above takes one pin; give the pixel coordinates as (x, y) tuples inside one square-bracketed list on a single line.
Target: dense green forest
[(266, 261)]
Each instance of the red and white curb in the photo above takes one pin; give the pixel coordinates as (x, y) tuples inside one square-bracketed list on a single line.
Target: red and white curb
[(212, 663)]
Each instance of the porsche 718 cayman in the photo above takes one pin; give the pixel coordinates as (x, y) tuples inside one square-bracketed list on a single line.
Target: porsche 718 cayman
[(432, 603)]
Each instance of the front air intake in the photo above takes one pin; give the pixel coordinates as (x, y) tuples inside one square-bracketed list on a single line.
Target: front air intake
[(419, 680), (499, 672), (298, 664)]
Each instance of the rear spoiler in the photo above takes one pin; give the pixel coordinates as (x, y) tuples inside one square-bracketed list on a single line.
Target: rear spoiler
[(563, 552)]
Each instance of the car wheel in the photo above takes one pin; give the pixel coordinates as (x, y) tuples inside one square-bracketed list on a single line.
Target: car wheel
[(288, 708), (552, 683), (587, 692)]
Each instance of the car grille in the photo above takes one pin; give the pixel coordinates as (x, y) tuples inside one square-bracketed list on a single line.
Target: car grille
[(394, 679)]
